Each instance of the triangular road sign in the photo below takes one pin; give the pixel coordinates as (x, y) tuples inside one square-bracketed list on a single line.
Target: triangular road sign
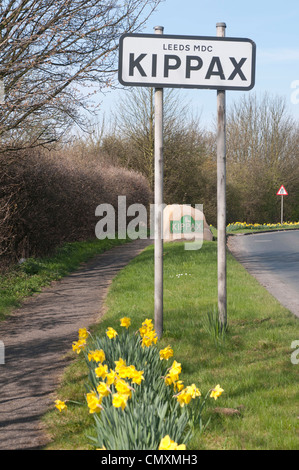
[(282, 191)]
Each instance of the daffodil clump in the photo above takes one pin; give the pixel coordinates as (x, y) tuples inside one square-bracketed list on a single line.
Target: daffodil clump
[(137, 400), (244, 225)]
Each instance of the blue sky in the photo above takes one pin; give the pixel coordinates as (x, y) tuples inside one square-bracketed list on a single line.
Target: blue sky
[(272, 24)]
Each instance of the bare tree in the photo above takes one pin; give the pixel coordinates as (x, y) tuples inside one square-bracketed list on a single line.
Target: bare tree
[(49, 50), (135, 124), (262, 154)]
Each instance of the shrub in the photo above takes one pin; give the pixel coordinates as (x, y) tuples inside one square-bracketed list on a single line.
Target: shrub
[(47, 200)]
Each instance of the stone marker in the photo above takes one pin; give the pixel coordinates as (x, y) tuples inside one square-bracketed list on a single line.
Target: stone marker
[(183, 222)]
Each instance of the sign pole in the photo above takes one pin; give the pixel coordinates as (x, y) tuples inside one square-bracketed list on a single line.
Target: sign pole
[(282, 192), (159, 205), (221, 196)]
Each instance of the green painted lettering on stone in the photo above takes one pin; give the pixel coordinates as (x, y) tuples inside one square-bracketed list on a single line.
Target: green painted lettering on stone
[(186, 225)]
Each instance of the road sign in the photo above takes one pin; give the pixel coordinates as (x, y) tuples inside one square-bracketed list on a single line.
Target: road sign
[(282, 192), (161, 61)]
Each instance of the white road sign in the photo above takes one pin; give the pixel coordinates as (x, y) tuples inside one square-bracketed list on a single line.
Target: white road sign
[(160, 61)]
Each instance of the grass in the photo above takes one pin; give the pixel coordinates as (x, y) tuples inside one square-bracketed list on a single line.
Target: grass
[(251, 361), (29, 277)]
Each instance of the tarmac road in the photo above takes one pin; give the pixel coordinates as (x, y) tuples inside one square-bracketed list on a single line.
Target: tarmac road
[(273, 259)]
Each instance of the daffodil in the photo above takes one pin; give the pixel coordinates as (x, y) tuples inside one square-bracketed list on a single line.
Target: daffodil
[(193, 391), (168, 444), (120, 363), (60, 405), (101, 371), (149, 338), (125, 321), (119, 400), (111, 377), (173, 373), (178, 386), (137, 377), (123, 388), (96, 356), (216, 392), (94, 402), (111, 333), (187, 394), (79, 345), (103, 389), (146, 327), (184, 398), (166, 353), (83, 333)]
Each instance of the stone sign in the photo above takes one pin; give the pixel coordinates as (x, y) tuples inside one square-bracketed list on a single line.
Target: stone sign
[(183, 222)]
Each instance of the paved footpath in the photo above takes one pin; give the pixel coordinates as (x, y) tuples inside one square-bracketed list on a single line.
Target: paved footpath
[(37, 337)]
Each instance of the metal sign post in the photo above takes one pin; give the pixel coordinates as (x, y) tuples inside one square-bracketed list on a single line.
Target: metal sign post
[(159, 206), (221, 196)]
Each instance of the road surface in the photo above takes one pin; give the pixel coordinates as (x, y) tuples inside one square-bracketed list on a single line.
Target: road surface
[(273, 259)]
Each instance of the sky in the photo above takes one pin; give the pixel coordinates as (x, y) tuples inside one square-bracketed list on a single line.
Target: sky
[(272, 24)]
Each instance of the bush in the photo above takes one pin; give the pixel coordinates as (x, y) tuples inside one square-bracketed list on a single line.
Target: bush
[(47, 200)]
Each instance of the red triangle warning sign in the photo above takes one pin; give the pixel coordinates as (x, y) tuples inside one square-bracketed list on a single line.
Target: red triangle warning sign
[(282, 191)]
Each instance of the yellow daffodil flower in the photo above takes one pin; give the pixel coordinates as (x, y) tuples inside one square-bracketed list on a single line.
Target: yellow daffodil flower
[(94, 402), (119, 400), (111, 377), (83, 333), (97, 356), (149, 338), (184, 398), (79, 345), (193, 391), (137, 377), (166, 353), (125, 321), (168, 444), (111, 333), (123, 388), (173, 373), (186, 395), (178, 386), (103, 389), (216, 392), (146, 327), (60, 405), (101, 371)]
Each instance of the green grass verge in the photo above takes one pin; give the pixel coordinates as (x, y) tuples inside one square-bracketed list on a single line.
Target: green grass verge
[(28, 278), (243, 227), (252, 363)]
